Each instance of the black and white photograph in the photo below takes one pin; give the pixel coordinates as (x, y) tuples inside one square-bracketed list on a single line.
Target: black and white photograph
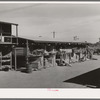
[(50, 45)]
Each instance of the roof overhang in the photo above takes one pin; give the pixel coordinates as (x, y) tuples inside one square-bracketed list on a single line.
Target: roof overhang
[(8, 23)]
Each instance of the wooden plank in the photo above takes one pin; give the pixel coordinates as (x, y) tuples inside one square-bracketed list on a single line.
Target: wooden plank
[(11, 60)]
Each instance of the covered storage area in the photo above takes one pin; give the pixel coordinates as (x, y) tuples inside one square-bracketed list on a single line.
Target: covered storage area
[(39, 55)]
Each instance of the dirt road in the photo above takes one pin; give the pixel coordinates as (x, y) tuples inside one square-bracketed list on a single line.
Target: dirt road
[(53, 77)]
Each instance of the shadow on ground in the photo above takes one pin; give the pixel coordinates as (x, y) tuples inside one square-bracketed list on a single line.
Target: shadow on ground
[(90, 79)]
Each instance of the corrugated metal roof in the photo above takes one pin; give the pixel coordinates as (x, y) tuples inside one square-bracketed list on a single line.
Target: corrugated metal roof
[(53, 41)]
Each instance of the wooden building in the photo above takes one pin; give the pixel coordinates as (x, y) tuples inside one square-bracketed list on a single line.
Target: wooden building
[(16, 50), (6, 43)]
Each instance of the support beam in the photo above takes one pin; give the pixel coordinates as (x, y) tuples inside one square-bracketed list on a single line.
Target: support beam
[(17, 33), (15, 60), (27, 51), (11, 60)]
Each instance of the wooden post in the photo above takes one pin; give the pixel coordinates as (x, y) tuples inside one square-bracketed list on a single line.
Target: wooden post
[(42, 61), (17, 33), (69, 57), (26, 51), (42, 58), (28, 67), (54, 57), (15, 60), (11, 60), (54, 60)]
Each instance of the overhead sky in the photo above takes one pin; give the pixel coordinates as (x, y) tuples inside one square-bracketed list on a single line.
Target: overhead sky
[(38, 21)]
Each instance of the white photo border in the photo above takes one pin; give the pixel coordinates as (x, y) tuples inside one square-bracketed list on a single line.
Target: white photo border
[(44, 92)]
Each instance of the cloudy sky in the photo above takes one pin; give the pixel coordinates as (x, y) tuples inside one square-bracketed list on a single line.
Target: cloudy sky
[(67, 20)]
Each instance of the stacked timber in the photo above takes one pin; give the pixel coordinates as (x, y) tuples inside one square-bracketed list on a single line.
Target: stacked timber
[(63, 57), (6, 61), (35, 59), (49, 58)]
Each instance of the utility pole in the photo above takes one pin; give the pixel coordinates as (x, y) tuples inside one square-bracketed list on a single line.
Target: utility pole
[(54, 34)]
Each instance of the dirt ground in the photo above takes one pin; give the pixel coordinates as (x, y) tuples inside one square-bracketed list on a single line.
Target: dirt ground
[(54, 77)]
